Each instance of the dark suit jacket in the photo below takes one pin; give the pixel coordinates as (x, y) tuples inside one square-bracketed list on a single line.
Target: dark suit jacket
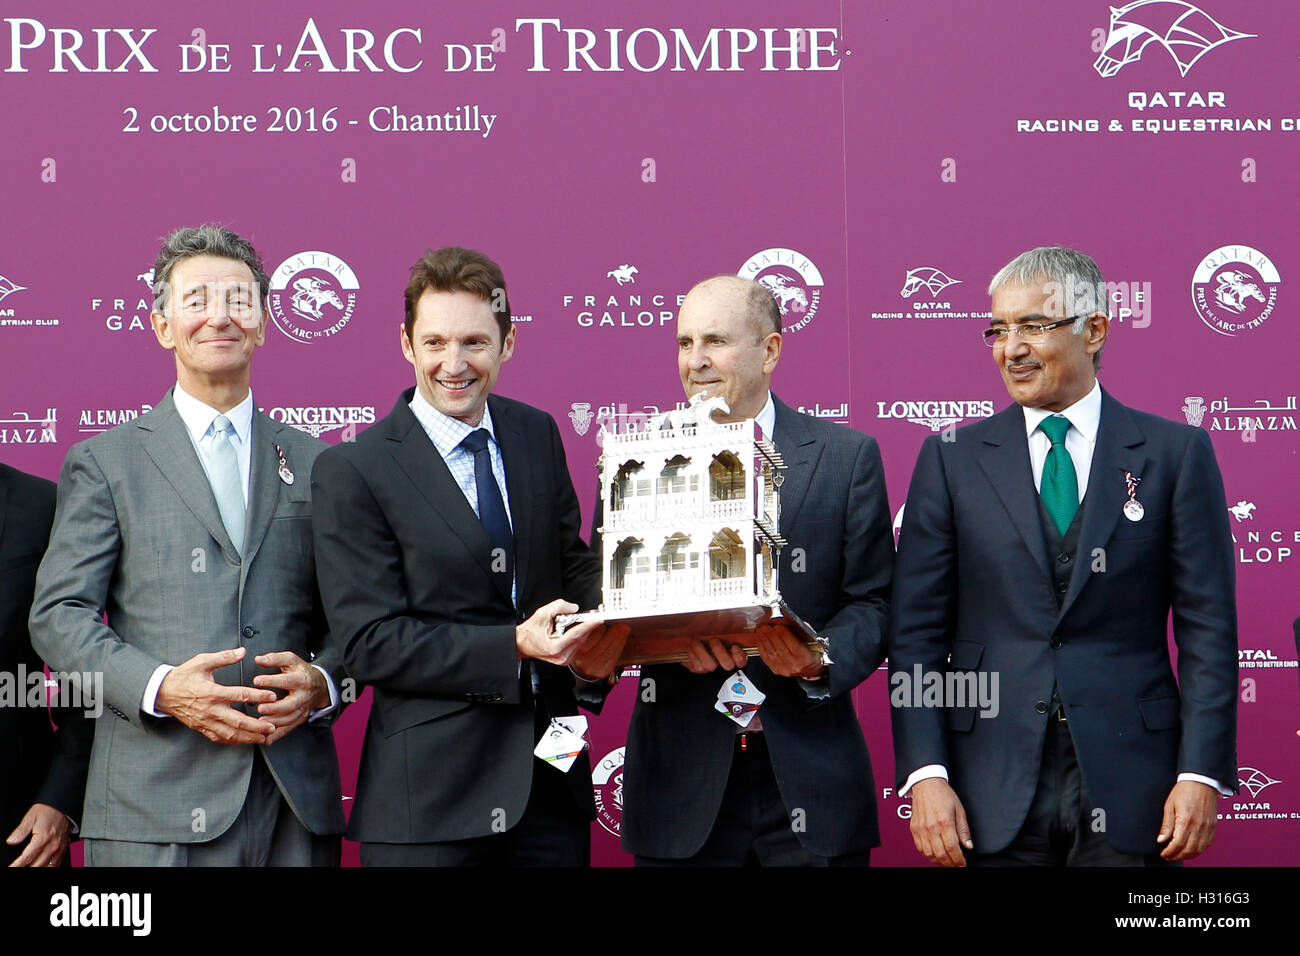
[(137, 534), (421, 616), (36, 764), (973, 582), (835, 574)]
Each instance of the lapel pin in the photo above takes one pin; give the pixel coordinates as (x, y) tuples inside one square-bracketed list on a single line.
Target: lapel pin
[(1132, 508), (286, 475)]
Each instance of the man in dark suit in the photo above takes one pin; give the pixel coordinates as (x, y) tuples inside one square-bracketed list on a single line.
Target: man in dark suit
[(43, 772), (794, 787), (1042, 552), (191, 528), (447, 540)]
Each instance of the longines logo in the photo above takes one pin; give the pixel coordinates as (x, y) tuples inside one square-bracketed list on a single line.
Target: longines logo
[(616, 310), (936, 415), (923, 287), (20, 428), (92, 421), (793, 280), (9, 316), (313, 295), (1256, 543), (607, 779), (1235, 289), (1258, 416), (317, 420), (1186, 32)]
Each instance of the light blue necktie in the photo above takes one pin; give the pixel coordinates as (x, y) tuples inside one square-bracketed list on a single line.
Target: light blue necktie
[(227, 484)]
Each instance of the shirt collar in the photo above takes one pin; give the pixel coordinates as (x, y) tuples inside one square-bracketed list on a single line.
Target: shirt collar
[(199, 416), (448, 432), (767, 418), (1084, 415)]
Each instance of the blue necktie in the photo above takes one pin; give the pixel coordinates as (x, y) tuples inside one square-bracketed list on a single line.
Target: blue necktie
[(491, 509)]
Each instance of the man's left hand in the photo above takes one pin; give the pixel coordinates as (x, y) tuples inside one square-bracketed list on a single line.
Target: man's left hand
[(596, 659), (1188, 824), (50, 830), (786, 655), (306, 687)]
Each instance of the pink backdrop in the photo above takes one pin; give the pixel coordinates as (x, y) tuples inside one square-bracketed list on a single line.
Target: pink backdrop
[(930, 148)]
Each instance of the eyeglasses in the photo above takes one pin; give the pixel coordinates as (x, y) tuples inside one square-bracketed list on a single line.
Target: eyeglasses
[(1028, 331)]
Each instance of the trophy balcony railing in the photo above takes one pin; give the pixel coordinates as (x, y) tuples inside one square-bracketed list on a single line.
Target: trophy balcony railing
[(653, 508)]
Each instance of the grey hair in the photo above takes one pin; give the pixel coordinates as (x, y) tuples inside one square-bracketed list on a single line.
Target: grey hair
[(205, 240), (1066, 274)]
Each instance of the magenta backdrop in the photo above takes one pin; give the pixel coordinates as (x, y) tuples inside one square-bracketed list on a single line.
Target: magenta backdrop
[(928, 152)]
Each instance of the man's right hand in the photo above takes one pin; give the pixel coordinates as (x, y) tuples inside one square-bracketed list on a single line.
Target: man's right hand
[(536, 638), (189, 694), (702, 658), (939, 827)]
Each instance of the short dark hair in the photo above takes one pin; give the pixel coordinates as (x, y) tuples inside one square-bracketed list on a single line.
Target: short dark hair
[(453, 269), (205, 240)]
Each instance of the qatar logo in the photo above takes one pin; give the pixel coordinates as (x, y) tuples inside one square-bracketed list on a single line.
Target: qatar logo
[(1254, 781), (794, 281), (581, 415), (1235, 289), (313, 295), (607, 780), (1186, 32), (9, 287), (623, 275), (925, 277)]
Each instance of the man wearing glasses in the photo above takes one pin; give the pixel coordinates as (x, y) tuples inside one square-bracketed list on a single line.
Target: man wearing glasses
[(1041, 554)]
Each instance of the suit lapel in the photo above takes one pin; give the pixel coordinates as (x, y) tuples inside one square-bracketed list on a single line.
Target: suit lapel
[(263, 482), (416, 455), (1005, 460), (517, 458), (801, 451), (172, 451), (1117, 450)]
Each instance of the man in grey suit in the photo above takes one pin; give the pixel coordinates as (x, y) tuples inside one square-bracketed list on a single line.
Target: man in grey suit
[(191, 528)]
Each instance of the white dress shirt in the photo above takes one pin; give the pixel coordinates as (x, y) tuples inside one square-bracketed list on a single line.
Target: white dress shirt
[(1080, 441), (198, 419)]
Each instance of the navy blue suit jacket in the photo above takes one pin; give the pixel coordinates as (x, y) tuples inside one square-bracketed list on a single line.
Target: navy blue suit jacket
[(973, 594)]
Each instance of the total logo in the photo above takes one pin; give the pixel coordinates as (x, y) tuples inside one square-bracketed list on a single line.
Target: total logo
[(1263, 658), (1257, 545), (1235, 289), (313, 295), (794, 281), (607, 780), (604, 305)]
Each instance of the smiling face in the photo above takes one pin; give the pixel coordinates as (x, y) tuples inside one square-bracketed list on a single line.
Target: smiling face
[(213, 321), (456, 348), (722, 348), (1057, 371)]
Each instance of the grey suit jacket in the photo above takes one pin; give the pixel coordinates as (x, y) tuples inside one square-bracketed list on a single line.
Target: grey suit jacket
[(137, 534)]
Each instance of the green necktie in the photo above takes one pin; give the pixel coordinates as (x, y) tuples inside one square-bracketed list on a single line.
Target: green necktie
[(1059, 488)]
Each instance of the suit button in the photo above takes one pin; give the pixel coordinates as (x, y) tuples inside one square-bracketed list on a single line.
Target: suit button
[(249, 630), (1041, 707), (1063, 558), (1056, 643), (1062, 588)]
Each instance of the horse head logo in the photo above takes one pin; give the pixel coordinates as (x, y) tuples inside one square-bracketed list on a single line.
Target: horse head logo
[(1185, 31), (927, 277)]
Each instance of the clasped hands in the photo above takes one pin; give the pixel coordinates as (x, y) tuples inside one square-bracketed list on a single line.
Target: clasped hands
[(191, 695), (783, 653), (590, 649)]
